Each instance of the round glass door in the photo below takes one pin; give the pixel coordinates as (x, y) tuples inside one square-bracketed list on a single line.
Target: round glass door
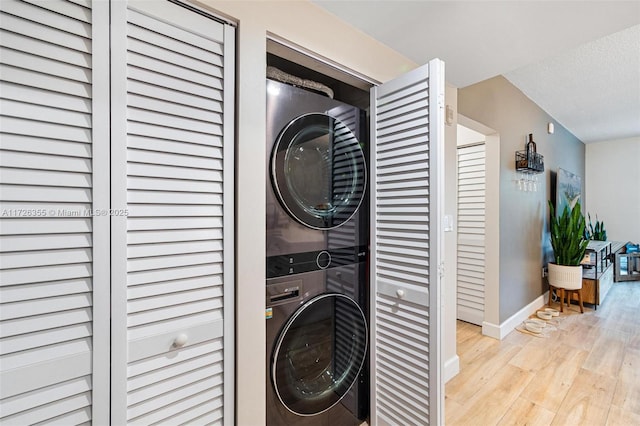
[(318, 171), (319, 354)]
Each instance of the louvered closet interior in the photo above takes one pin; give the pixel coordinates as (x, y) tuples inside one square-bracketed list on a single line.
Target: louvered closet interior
[(117, 213)]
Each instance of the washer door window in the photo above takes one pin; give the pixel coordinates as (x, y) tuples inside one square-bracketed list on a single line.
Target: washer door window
[(319, 354), (318, 171)]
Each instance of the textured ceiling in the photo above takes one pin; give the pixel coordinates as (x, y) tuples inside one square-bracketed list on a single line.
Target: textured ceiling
[(572, 58), (593, 89)]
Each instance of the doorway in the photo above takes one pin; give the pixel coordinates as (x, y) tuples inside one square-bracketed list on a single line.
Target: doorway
[(472, 133), (471, 225)]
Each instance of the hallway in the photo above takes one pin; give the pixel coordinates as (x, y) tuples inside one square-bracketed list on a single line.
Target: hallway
[(586, 372)]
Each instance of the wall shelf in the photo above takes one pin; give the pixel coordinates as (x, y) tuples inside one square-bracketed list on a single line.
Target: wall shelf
[(528, 162)]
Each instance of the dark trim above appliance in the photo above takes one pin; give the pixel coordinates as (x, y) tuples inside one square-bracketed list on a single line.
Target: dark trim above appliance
[(298, 263)]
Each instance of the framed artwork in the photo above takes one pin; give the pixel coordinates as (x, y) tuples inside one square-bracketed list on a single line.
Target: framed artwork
[(568, 190)]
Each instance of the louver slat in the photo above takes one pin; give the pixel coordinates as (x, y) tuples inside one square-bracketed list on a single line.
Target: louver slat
[(404, 368), (69, 17), (40, 30), (46, 256)]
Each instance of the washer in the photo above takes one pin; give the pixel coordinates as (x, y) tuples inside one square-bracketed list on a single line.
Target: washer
[(317, 281), (317, 346)]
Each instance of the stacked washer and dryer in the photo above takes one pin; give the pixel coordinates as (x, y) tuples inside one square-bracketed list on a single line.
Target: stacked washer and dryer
[(317, 251)]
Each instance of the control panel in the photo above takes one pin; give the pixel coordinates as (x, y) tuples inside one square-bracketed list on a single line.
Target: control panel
[(297, 263)]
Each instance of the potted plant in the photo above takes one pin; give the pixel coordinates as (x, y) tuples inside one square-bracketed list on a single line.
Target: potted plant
[(569, 246), (597, 232)]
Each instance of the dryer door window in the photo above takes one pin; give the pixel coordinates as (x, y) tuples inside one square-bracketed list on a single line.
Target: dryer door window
[(318, 171), (319, 354)]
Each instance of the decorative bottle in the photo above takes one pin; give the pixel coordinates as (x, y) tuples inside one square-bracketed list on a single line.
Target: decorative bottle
[(531, 152), (531, 147)]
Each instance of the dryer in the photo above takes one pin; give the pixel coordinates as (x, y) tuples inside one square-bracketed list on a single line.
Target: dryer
[(316, 198), (317, 250)]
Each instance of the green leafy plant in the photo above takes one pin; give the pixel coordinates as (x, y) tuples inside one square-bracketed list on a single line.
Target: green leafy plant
[(595, 232), (567, 235)]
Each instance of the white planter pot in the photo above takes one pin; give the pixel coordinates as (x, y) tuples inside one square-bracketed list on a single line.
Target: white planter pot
[(567, 277)]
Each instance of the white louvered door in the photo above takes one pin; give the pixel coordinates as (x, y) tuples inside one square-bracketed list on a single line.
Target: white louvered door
[(54, 282), (407, 176), (471, 235), (172, 170)]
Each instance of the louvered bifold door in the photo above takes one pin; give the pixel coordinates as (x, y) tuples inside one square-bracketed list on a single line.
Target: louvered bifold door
[(471, 233), (407, 151), (172, 170), (54, 246)]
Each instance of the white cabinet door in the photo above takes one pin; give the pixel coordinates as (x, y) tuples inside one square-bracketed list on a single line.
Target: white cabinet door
[(172, 255), (407, 128), (116, 229), (54, 293)]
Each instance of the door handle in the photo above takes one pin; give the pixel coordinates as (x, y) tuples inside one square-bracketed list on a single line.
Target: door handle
[(290, 293)]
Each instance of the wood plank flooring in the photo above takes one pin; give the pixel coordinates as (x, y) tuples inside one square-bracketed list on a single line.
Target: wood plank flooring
[(585, 372)]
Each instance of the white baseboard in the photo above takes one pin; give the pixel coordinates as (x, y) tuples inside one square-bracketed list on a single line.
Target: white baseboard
[(451, 368), (500, 331)]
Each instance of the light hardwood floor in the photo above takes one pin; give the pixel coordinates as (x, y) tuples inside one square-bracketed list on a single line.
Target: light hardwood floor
[(586, 372)]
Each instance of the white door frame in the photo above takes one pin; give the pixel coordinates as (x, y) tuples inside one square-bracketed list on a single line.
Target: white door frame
[(101, 127), (491, 323)]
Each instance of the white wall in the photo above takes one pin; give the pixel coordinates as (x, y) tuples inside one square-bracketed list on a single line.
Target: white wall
[(524, 238), (306, 25), (612, 186), (468, 136)]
